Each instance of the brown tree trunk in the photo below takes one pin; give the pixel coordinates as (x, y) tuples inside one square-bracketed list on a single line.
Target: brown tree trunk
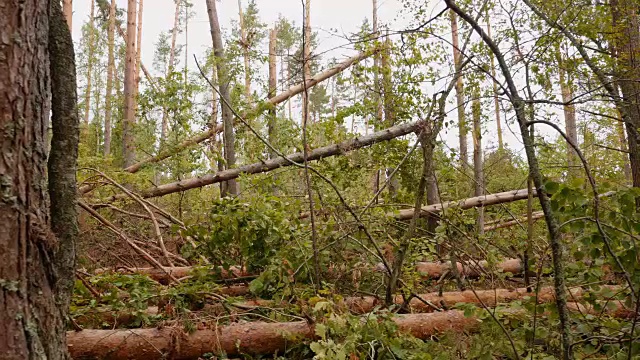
[(223, 81), (67, 9), (136, 89), (462, 125), (478, 171), (87, 93), (128, 136), (245, 53), (111, 69), (273, 84), (35, 291), (571, 130), (627, 48)]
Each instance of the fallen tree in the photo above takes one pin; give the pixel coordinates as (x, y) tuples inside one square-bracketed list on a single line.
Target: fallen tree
[(237, 339), (268, 165), (180, 272), (484, 200), (435, 270), (292, 91), (505, 224)]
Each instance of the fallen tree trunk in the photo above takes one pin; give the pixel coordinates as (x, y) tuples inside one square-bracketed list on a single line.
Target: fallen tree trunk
[(505, 224), (238, 339), (179, 272), (268, 165), (435, 270), (292, 91), (484, 200)]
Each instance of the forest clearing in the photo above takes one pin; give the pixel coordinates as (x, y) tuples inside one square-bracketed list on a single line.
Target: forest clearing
[(314, 179)]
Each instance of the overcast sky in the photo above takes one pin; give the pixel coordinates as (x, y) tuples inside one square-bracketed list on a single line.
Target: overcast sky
[(327, 17)]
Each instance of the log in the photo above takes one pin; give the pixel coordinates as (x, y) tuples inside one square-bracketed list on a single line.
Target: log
[(272, 164), (484, 200), (505, 224), (292, 91), (237, 339), (178, 272), (435, 270)]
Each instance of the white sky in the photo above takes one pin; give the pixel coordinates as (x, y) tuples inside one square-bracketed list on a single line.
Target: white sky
[(326, 15)]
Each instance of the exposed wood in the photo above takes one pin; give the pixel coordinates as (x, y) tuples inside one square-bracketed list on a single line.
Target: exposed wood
[(485, 200), (67, 10), (111, 69), (237, 339), (268, 165), (284, 96), (128, 124), (434, 270)]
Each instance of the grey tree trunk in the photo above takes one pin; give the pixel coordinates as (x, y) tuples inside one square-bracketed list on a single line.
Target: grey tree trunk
[(573, 163), (478, 171), (462, 124), (231, 187)]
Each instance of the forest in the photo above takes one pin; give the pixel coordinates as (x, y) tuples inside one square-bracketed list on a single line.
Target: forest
[(460, 182)]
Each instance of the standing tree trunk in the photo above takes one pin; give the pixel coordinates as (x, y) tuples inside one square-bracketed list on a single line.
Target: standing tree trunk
[(87, 93), (245, 54), (622, 138), (389, 116), (67, 10), (573, 163), (462, 124), (111, 69), (128, 146), (231, 187), (37, 257), (273, 87), (494, 81), (172, 59), (478, 172), (627, 47), (136, 89)]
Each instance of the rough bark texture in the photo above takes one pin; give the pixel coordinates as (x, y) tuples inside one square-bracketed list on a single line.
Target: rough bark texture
[(484, 200), (136, 88), (111, 69), (31, 324), (462, 125), (128, 136), (627, 46), (63, 157), (237, 339), (268, 165), (231, 187)]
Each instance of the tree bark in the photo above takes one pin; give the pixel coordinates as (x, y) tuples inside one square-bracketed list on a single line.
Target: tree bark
[(273, 87), (462, 124), (231, 187), (111, 69), (128, 136), (136, 89), (573, 163), (268, 165), (170, 68), (238, 339), (627, 45), (478, 171), (87, 93), (67, 9), (494, 81), (32, 294), (484, 200), (245, 53)]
